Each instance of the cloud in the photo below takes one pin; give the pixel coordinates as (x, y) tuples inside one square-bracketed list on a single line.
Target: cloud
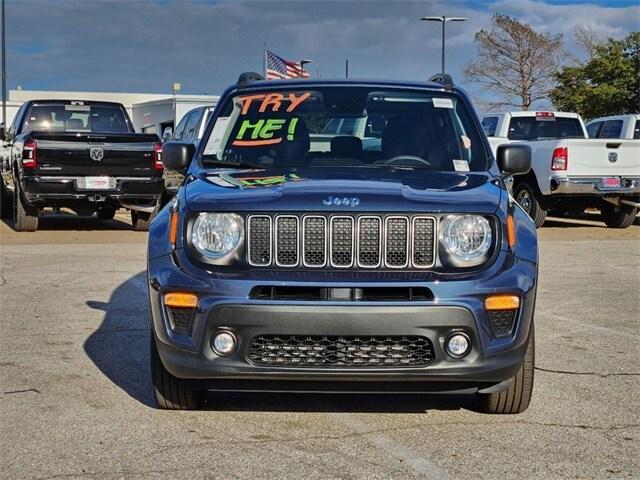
[(145, 46)]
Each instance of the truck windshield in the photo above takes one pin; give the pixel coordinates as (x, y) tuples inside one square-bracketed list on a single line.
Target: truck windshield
[(347, 126), (63, 117), (531, 128)]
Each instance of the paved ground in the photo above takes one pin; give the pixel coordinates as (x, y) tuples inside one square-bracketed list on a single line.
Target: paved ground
[(75, 399)]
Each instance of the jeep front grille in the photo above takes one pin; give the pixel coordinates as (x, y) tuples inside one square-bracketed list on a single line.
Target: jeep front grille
[(341, 241), (362, 351)]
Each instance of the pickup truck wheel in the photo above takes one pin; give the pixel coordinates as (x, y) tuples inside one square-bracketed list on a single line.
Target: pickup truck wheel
[(527, 198), (172, 393), (516, 398), (6, 207), (25, 218), (140, 221), (618, 216), (106, 213)]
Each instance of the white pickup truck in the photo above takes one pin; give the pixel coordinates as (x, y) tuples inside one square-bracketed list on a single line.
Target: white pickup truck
[(570, 172), (616, 126)]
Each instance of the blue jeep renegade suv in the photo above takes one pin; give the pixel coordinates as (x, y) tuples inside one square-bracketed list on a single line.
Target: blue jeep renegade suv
[(343, 236)]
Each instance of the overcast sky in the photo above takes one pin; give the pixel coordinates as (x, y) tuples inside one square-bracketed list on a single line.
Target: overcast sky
[(144, 46)]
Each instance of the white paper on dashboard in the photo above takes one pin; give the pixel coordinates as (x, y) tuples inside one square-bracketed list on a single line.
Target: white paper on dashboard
[(217, 135), (461, 165), (442, 103)]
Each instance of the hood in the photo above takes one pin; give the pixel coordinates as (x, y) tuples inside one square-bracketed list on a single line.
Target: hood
[(346, 189)]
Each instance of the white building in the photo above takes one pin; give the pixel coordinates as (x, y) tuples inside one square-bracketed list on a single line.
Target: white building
[(150, 112)]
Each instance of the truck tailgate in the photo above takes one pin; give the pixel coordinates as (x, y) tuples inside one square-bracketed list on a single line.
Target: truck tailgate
[(73, 154), (603, 157)]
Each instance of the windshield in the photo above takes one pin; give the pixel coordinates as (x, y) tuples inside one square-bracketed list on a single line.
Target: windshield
[(347, 126), (60, 117)]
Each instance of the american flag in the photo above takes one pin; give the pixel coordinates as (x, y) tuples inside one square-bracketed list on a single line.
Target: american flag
[(279, 68)]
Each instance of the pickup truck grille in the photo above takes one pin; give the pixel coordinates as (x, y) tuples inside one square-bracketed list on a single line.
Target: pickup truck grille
[(340, 351), (341, 241)]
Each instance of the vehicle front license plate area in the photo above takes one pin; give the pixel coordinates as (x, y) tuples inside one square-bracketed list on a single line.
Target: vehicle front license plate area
[(96, 183), (610, 182)]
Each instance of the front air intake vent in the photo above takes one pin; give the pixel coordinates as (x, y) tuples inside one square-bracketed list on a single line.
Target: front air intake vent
[(397, 242), (314, 241), (316, 351), (502, 322), (287, 233), (341, 241), (181, 319), (259, 233)]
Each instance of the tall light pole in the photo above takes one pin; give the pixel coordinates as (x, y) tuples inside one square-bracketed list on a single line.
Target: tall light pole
[(444, 21), (4, 73)]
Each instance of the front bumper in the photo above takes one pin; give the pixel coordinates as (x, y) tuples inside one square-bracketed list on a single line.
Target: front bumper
[(41, 189), (225, 304), (629, 186)]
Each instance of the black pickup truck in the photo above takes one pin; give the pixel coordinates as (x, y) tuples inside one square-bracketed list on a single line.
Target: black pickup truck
[(80, 155)]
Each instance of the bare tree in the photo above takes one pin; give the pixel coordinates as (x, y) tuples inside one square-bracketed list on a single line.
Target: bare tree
[(515, 63), (588, 39)]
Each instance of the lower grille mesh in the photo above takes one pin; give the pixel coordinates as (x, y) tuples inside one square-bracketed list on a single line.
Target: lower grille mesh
[(340, 351), (181, 319), (502, 322)]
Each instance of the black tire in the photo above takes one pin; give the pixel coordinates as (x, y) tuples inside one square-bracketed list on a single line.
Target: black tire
[(516, 398), (107, 213), (172, 393), (25, 218), (618, 216), (163, 199), (140, 221), (529, 199), (6, 207)]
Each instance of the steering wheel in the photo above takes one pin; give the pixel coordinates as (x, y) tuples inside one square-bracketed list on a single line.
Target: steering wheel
[(413, 160)]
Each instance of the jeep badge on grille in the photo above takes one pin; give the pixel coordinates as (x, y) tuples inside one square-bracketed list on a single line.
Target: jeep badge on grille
[(341, 201)]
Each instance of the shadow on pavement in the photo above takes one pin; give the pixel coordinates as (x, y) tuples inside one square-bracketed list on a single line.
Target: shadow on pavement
[(69, 221), (562, 222), (120, 349), (120, 346), (333, 403)]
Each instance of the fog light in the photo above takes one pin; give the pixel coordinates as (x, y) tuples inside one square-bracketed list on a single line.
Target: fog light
[(223, 343), (458, 345)]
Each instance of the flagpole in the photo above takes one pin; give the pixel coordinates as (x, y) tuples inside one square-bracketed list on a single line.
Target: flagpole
[(264, 60)]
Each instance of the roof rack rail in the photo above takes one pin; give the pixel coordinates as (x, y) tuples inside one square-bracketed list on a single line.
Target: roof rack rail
[(249, 77), (444, 79)]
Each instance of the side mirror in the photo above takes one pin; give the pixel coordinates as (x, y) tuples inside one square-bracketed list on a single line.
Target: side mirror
[(177, 156), (514, 159), (167, 134)]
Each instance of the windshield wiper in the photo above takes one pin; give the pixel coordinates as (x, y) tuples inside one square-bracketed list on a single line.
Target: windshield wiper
[(214, 162)]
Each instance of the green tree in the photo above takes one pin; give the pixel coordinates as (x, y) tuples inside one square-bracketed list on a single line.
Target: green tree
[(607, 84)]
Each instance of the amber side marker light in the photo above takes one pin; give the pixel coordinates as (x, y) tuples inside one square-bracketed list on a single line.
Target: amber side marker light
[(173, 228), (502, 302), (180, 300), (511, 230)]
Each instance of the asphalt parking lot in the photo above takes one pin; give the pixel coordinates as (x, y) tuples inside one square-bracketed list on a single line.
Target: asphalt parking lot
[(75, 394)]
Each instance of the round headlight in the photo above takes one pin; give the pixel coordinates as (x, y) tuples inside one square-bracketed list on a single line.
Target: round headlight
[(216, 235), (466, 237)]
